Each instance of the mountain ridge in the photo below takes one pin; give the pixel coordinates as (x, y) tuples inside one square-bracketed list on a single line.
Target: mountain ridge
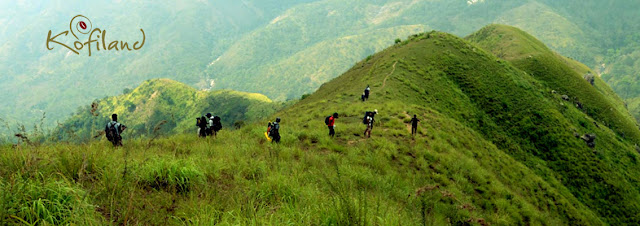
[(495, 146), (513, 109), (210, 30), (164, 106)]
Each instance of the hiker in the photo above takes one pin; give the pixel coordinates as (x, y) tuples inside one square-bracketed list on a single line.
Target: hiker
[(362, 97), (414, 125), (202, 125), (198, 125), (268, 133), (368, 120), (209, 129), (369, 113), (366, 93), (215, 125), (275, 131), (330, 122), (113, 131)]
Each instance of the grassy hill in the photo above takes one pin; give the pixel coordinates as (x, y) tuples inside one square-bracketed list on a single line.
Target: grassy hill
[(495, 146), (563, 75), (165, 107)]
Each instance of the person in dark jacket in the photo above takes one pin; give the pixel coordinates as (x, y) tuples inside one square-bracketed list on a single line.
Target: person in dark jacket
[(367, 91), (215, 124), (369, 122), (414, 125), (114, 130), (275, 131), (202, 124)]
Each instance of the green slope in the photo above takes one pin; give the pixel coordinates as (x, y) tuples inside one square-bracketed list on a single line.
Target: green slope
[(560, 74), (516, 111), (163, 106), (266, 57), (495, 146)]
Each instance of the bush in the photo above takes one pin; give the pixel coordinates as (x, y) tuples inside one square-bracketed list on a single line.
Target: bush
[(173, 176), (238, 124)]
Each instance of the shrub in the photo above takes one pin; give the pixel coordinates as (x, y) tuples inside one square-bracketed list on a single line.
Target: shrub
[(174, 176)]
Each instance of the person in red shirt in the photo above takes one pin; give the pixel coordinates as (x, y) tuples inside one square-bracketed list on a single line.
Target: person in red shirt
[(332, 124)]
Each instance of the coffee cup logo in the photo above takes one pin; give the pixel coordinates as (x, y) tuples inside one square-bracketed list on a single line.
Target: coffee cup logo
[(81, 27)]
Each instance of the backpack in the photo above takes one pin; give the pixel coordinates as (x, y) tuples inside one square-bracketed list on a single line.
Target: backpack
[(111, 131), (364, 120), (327, 120), (274, 129), (217, 125), (269, 128)]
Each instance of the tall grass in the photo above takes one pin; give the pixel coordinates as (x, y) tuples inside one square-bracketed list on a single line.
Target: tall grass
[(42, 201)]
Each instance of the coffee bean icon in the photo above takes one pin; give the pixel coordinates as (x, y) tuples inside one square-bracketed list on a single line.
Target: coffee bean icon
[(82, 25)]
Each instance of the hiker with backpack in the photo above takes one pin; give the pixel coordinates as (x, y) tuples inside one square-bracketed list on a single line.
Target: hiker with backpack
[(215, 125), (369, 119), (268, 133), (330, 122), (414, 125), (202, 125), (209, 130), (372, 114), (274, 132), (367, 91), (113, 131)]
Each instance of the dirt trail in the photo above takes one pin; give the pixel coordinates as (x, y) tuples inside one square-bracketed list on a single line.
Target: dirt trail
[(384, 82)]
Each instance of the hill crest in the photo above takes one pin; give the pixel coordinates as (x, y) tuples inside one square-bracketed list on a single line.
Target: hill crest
[(516, 106), (170, 106)]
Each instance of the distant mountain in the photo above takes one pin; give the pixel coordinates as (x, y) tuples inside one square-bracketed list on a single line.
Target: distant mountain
[(181, 39), (590, 31), (282, 49), (165, 107)]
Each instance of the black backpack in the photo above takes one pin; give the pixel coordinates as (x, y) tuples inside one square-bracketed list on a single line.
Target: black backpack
[(275, 127), (111, 131), (364, 120), (217, 125), (327, 119)]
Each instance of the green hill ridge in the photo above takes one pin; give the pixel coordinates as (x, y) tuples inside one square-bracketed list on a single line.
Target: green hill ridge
[(496, 145), (164, 106), (559, 73)]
